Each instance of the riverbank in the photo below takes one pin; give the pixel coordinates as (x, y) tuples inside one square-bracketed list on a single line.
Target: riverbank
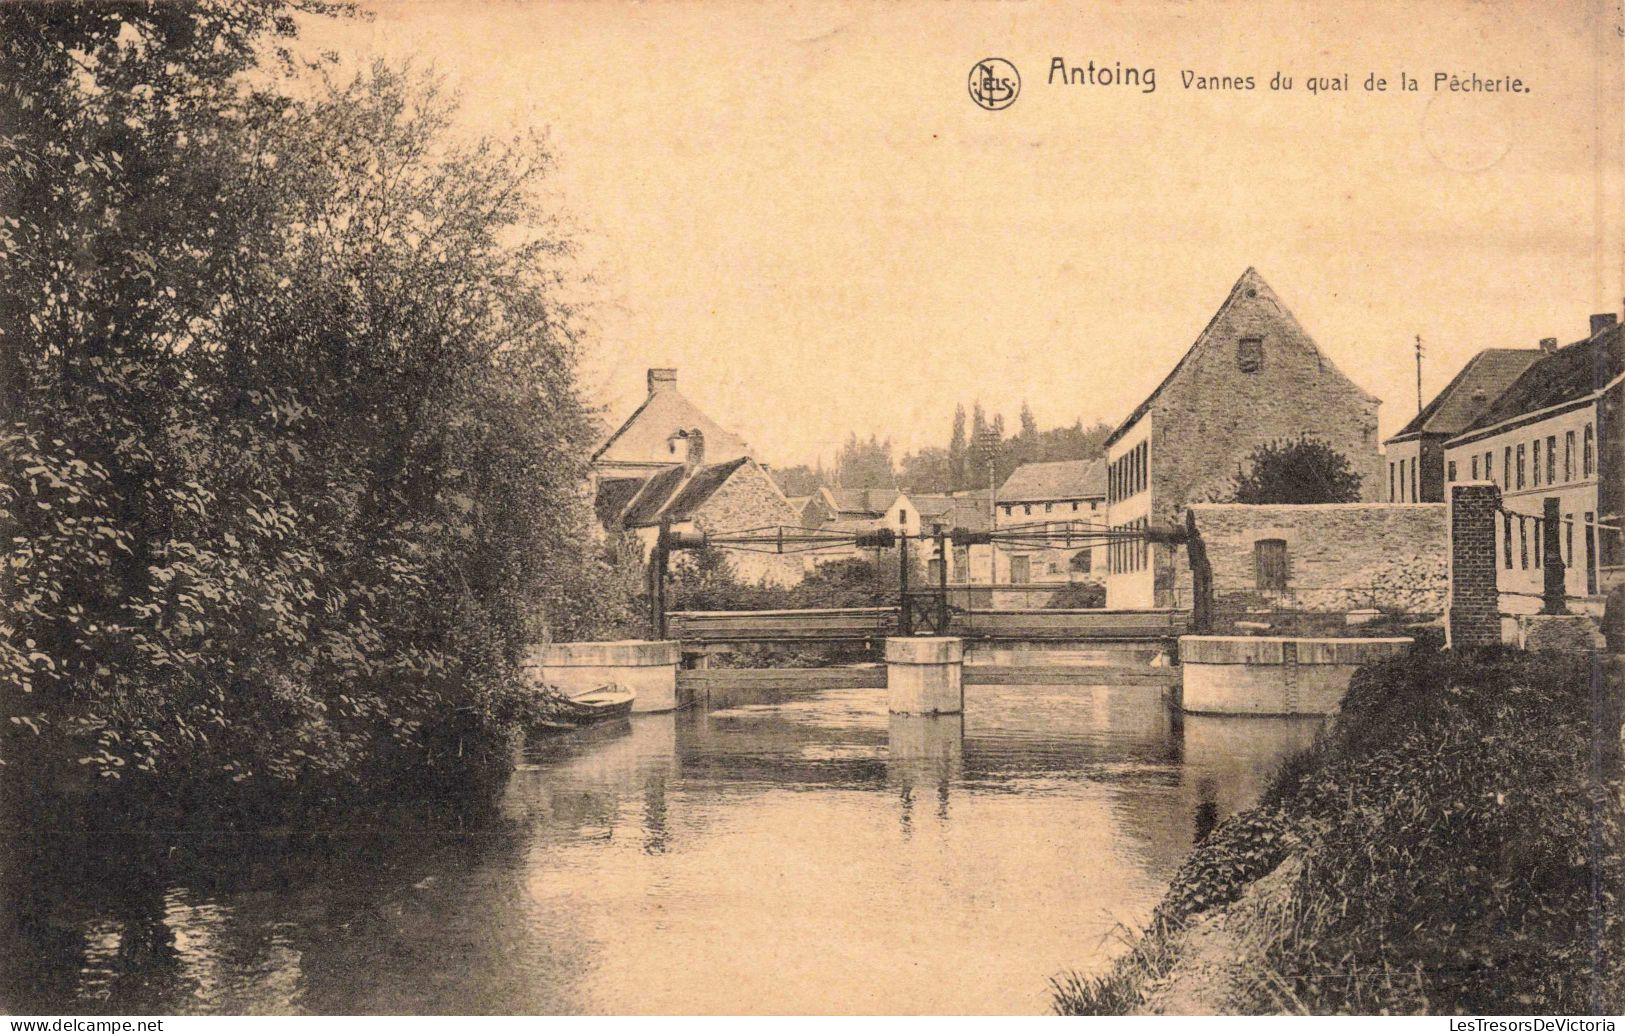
[(1452, 844)]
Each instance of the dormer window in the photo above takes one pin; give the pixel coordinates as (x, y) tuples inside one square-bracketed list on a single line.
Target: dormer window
[(1250, 354)]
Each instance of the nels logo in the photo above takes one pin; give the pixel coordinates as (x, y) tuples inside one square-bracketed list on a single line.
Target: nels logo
[(994, 83)]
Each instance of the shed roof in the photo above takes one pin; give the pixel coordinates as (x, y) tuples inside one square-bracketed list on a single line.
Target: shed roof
[(1471, 392), (1570, 373), (674, 494), (1061, 479), (860, 500)]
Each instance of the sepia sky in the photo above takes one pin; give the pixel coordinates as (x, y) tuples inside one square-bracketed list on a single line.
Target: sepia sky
[(801, 208)]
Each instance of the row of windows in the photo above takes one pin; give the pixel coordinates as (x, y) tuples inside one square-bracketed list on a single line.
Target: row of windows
[(1543, 461), (1129, 473), (1532, 541), (1517, 470), (1129, 554), (1400, 475), (1027, 508)]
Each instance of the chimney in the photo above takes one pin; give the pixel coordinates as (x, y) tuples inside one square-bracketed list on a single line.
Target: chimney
[(1548, 344), (1602, 321), (662, 378)]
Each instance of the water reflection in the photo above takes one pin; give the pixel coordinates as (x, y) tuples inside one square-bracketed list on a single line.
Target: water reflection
[(812, 854)]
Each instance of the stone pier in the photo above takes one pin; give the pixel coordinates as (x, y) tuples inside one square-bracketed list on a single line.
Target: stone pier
[(925, 674), (1274, 675)]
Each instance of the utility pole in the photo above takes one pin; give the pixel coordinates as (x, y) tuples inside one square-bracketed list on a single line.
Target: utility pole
[(988, 442), (1418, 374)]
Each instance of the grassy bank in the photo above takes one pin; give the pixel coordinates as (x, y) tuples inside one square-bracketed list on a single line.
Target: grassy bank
[(1451, 845)]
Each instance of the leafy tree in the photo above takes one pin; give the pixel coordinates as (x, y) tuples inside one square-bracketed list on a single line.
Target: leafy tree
[(800, 479), (957, 445), (1302, 470), (928, 471), (865, 464), (294, 466), (1029, 423)]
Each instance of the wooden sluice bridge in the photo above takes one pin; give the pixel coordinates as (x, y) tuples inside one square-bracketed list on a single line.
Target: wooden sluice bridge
[(965, 610)]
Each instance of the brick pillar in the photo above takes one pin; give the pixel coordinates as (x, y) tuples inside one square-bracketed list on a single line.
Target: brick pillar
[(1554, 590), (1473, 611)]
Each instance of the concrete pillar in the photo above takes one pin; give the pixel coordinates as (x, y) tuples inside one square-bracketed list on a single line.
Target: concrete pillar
[(924, 674), (1473, 606)]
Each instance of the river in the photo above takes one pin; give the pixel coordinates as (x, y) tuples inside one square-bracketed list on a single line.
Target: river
[(813, 854)]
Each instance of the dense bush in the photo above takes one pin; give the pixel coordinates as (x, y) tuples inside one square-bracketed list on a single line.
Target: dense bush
[(1459, 835), (1467, 843), (707, 580), (1078, 596), (295, 449)]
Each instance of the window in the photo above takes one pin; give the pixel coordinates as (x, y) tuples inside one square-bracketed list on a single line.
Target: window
[(1506, 468), (1269, 561), (1489, 475), (1551, 459), (1415, 496), (1021, 570), (1093, 506), (1250, 354), (1540, 538), (1027, 508), (1008, 509), (1520, 467), (1588, 462), (1568, 531), (1391, 497), (1534, 447), (1523, 542), (1049, 507), (1074, 507), (1450, 470), (933, 570), (1506, 538), (1475, 468), (1054, 568), (902, 516), (1568, 455)]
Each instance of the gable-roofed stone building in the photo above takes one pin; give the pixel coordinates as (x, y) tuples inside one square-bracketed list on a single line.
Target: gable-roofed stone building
[(654, 436), (1252, 376), (670, 463)]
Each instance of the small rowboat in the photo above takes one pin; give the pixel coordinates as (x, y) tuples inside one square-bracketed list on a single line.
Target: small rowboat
[(596, 705)]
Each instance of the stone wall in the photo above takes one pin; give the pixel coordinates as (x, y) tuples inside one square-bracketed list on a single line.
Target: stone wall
[(1340, 557), (750, 499)]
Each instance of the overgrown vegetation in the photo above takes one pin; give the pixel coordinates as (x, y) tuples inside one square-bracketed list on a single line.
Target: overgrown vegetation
[(1456, 838), (1300, 470), (707, 579), (294, 449)]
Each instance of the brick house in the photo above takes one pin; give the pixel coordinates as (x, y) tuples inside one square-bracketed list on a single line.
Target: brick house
[(651, 439), (1040, 494), (1554, 433), (1416, 453), (1252, 376), (736, 495)]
